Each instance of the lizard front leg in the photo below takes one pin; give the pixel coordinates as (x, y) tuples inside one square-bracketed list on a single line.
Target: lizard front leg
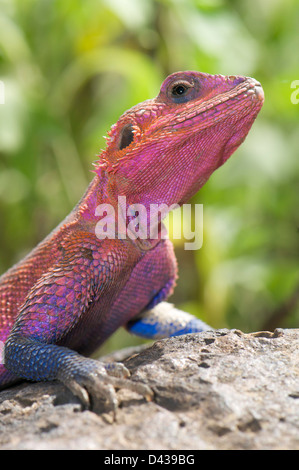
[(51, 310), (89, 379)]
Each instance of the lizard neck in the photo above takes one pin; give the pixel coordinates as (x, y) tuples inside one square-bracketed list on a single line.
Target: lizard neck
[(95, 194)]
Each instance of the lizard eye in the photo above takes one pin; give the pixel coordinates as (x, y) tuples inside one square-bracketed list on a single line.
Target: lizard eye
[(127, 137), (179, 89)]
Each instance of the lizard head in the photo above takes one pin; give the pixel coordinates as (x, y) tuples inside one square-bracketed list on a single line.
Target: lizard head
[(163, 150)]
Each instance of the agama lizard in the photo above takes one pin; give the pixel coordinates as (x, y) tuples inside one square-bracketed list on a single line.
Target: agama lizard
[(74, 290)]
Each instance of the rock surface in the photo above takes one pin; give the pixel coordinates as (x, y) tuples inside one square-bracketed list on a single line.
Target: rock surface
[(216, 390)]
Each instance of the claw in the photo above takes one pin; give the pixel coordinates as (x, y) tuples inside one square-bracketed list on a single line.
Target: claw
[(117, 369), (136, 387), (79, 392), (94, 383)]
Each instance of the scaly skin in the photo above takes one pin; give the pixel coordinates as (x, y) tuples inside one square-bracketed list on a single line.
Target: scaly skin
[(74, 289)]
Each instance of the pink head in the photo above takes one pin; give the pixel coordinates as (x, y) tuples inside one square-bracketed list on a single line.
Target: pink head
[(163, 150)]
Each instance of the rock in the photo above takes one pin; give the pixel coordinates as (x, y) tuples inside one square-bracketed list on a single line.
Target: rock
[(214, 390)]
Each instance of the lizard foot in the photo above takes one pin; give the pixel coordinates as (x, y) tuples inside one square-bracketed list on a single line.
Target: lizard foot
[(94, 383)]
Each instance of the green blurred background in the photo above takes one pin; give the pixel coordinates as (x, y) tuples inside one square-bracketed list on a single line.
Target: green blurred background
[(71, 68)]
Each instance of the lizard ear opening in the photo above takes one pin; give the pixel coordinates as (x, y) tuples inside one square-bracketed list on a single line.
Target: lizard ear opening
[(127, 137)]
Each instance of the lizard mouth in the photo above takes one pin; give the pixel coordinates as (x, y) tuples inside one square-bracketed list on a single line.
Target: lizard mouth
[(257, 90)]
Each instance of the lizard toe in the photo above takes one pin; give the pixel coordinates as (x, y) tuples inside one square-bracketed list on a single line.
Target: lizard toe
[(95, 384), (116, 369)]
